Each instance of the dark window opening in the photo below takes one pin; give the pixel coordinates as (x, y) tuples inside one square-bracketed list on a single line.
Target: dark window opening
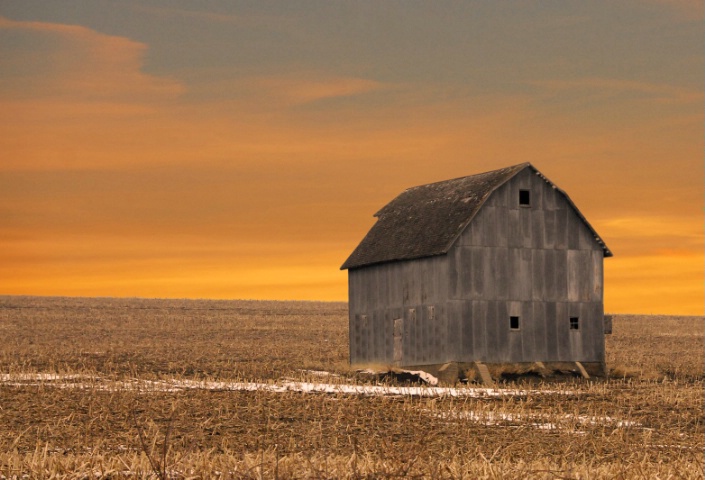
[(574, 323), (514, 323), (524, 198)]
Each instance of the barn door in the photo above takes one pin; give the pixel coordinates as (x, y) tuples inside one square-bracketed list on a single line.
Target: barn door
[(398, 336)]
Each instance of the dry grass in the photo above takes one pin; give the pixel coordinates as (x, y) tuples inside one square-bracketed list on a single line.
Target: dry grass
[(156, 338), (656, 347), (648, 425)]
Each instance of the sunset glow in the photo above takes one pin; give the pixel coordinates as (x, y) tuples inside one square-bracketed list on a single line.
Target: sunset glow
[(239, 150)]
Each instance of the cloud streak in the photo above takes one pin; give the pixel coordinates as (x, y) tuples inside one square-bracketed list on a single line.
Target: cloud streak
[(79, 63), (302, 89), (615, 87)]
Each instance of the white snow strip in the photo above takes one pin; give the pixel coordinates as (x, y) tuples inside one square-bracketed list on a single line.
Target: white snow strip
[(538, 420), (6, 377), (320, 373), (174, 385), (678, 447), (348, 389)]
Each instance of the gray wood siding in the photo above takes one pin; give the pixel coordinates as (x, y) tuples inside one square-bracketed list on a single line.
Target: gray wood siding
[(400, 290), (540, 263)]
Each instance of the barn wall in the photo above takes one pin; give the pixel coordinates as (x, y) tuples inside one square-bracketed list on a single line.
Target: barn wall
[(415, 291), (540, 263)]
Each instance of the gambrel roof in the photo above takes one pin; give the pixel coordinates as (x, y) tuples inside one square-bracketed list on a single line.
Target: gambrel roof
[(426, 220)]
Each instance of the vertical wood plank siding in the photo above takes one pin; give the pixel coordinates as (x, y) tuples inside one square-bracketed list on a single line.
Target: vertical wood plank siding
[(540, 263)]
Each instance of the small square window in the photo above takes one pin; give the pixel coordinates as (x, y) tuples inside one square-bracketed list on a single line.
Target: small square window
[(574, 323), (524, 198), (514, 323)]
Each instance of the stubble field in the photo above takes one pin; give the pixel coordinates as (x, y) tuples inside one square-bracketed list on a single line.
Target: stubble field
[(132, 388)]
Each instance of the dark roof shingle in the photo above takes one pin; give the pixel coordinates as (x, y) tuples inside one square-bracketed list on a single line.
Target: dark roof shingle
[(424, 221)]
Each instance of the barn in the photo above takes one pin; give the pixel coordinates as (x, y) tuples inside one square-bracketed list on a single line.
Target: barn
[(498, 268)]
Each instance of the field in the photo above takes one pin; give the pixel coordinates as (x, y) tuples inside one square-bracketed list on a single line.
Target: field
[(132, 388)]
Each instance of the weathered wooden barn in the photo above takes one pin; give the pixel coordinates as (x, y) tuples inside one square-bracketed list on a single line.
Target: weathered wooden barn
[(495, 268)]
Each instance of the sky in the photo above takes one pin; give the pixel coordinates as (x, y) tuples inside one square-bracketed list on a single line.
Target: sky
[(239, 149)]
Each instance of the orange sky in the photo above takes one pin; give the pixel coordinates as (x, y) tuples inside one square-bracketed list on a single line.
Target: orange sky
[(164, 150)]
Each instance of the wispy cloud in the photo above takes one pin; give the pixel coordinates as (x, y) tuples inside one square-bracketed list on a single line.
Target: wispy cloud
[(68, 94), (612, 86), (78, 64), (688, 9), (297, 89)]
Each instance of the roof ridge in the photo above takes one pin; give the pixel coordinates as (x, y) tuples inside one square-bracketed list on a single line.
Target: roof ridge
[(429, 186), (524, 164), (488, 195)]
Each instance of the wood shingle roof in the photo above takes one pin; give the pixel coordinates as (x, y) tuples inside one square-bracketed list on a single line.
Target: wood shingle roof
[(426, 220)]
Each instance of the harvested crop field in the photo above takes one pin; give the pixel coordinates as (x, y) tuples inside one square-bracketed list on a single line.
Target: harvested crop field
[(134, 388)]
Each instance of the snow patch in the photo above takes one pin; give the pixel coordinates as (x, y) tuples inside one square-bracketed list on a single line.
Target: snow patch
[(175, 385), (537, 420)]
